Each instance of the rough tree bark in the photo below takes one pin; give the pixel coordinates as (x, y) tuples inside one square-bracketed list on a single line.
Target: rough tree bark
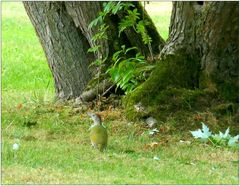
[(220, 48), (62, 28), (200, 54), (208, 32), (65, 47)]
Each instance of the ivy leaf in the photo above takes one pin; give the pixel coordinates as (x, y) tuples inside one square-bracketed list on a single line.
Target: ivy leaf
[(217, 139)]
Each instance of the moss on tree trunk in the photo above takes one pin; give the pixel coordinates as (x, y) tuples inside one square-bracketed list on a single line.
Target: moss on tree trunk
[(198, 66)]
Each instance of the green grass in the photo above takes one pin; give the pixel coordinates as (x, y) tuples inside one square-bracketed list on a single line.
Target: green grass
[(24, 67), (56, 148), (160, 12)]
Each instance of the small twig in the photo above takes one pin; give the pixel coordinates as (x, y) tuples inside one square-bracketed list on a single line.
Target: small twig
[(108, 89), (99, 71), (144, 5), (150, 50)]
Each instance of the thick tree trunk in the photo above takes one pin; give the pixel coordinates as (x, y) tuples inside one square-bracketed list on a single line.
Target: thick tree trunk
[(220, 48), (83, 13), (201, 54), (208, 33), (182, 30), (63, 31), (65, 47)]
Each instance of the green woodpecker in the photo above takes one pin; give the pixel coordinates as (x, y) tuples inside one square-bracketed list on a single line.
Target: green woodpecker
[(98, 133)]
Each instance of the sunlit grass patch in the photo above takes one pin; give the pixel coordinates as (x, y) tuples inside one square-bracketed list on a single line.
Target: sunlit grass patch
[(160, 12), (24, 65)]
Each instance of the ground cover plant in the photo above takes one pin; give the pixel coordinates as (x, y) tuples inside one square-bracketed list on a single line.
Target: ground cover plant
[(47, 142)]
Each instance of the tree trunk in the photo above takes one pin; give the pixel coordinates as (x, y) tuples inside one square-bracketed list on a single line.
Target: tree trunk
[(201, 54), (208, 32), (62, 28), (220, 48), (64, 45)]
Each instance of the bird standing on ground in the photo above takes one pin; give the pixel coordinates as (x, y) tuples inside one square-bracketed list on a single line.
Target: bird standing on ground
[(98, 133)]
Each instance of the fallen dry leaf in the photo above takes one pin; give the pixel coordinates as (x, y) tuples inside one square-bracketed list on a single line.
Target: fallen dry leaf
[(19, 106), (152, 145), (198, 117)]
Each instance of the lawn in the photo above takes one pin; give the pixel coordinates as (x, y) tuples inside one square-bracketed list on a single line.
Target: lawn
[(54, 137)]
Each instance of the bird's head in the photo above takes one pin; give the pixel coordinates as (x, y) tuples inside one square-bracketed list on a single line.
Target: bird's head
[(95, 117)]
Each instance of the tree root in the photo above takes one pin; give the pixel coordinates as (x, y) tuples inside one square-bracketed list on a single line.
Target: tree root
[(91, 94)]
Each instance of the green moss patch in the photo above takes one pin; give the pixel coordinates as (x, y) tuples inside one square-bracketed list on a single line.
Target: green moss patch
[(166, 89), (168, 102)]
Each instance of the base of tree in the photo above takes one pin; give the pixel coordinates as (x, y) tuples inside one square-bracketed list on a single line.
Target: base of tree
[(172, 92), (184, 109)]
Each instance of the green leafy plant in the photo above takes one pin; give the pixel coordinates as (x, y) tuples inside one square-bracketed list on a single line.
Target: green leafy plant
[(221, 139), (126, 72), (225, 138), (130, 20)]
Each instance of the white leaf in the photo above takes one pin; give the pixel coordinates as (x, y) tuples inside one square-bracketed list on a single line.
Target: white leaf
[(156, 158), (206, 132), (153, 131), (185, 142), (197, 134), (15, 146), (232, 141), (220, 135), (226, 134)]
